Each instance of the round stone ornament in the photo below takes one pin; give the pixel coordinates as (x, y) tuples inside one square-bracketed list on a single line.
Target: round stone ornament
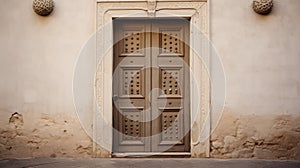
[(262, 7), (43, 7)]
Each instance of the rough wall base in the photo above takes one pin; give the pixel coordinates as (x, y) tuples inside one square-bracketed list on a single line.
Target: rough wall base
[(43, 135), (260, 137)]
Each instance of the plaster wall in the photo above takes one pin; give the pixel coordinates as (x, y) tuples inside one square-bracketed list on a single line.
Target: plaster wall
[(260, 55), (38, 54), (261, 59), (37, 61)]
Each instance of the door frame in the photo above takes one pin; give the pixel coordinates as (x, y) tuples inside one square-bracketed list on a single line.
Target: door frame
[(197, 11)]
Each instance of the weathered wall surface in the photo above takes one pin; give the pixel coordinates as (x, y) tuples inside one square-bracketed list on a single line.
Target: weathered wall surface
[(37, 61), (261, 58), (256, 136), (43, 135)]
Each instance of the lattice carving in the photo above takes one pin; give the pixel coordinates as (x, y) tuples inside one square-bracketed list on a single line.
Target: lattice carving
[(131, 129), (43, 7), (169, 82), (132, 82), (170, 42), (132, 42), (170, 126), (262, 7)]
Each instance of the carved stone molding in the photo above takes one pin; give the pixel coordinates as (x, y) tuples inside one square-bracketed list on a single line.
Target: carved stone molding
[(197, 11), (262, 7), (43, 7), (151, 7)]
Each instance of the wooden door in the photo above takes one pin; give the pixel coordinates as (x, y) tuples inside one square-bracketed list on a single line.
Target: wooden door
[(151, 85)]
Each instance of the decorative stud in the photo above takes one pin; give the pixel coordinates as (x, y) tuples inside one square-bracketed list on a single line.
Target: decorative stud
[(170, 121), (132, 127), (43, 7), (169, 83), (169, 43), (132, 82), (262, 7), (132, 42)]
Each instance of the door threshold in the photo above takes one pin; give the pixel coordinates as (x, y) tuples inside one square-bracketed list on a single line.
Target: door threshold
[(152, 155)]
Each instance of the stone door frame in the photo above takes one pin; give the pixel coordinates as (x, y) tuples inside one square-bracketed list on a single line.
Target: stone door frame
[(197, 11)]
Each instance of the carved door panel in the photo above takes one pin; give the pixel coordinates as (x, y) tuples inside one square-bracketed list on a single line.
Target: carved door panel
[(151, 85), (131, 89), (171, 102)]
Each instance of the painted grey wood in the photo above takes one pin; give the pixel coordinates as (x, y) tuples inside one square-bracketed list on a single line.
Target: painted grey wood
[(170, 58), (131, 89), (151, 85)]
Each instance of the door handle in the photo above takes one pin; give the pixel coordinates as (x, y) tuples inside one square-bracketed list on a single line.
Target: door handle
[(115, 97)]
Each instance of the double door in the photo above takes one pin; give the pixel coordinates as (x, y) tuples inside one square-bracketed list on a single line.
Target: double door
[(151, 85)]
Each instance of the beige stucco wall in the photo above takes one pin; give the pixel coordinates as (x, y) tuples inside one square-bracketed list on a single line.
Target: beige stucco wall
[(38, 54), (260, 55), (37, 62), (261, 58)]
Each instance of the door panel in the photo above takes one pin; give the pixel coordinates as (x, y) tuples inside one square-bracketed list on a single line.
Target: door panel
[(130, 87), (170, 65), (151, 86)]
